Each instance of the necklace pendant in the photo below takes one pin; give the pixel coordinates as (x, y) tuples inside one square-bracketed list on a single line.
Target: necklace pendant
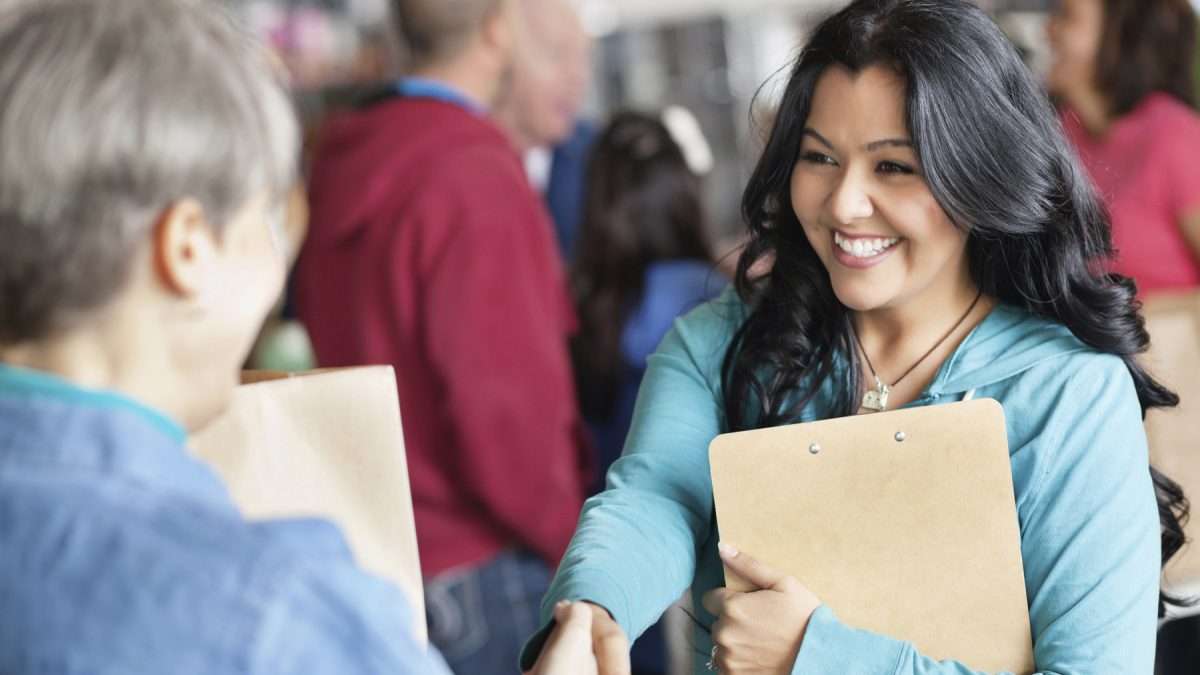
[(876, 399)]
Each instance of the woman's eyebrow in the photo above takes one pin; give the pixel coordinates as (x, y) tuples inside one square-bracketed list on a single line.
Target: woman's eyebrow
[(808, 131), (869, 147), (889, 143)]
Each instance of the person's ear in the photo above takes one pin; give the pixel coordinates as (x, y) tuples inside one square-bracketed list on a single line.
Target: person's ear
[(184, 248), (500, 25)]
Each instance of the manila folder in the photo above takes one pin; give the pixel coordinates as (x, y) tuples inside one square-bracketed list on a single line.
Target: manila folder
[(324, 444)]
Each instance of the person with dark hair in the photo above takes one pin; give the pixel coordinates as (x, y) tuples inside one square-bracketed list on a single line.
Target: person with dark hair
[(644, 259), (1123, 72), (429, 251), (934, 240)]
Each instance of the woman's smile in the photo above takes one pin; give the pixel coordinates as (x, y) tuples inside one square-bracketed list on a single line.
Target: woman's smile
[(861, 251)]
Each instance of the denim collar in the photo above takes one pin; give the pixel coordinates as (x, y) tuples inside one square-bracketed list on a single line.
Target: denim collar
[(49, 422)]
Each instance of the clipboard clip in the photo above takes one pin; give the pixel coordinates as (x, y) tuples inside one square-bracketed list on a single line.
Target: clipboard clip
[(815, 448)]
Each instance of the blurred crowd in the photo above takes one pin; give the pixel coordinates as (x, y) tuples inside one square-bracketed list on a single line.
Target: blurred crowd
[(507, 257)]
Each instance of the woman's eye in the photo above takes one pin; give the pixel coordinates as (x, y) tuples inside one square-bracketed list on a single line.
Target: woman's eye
[(813, 157), (895, 168)]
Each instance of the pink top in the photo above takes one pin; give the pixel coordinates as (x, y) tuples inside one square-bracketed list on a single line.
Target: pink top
[(1147, 168)]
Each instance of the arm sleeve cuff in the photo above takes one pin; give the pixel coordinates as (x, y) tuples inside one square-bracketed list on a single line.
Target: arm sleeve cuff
[(831, 646)]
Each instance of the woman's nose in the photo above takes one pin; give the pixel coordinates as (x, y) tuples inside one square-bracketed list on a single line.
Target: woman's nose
[(850, 200)]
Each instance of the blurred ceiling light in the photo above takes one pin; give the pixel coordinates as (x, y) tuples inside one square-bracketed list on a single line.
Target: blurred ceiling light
[(367, 12), (599, 17), (685, 129)]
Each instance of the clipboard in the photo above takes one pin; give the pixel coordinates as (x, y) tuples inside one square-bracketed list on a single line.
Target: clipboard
[(903, 522), (326, 444)]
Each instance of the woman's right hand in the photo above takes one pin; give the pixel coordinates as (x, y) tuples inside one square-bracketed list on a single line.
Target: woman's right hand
[(585, 641), (609, 643)]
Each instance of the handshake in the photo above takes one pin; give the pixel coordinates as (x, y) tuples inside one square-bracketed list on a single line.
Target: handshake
[(585, 641)]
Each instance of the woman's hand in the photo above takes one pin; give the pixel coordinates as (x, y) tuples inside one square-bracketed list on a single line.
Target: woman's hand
[(759, 632), (568, 650), (585, 641)]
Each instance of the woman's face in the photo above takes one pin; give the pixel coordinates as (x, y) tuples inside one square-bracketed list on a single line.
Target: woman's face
[(1074, 32), (859, 193)]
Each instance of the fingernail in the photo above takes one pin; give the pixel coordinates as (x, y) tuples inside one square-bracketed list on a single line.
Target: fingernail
[(561, 603), (727, 550)]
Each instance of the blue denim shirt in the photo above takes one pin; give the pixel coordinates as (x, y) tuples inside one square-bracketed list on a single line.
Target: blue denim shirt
[(120, 553)]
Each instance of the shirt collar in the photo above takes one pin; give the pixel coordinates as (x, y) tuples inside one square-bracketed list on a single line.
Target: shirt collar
[(49, 421), (421, 87)]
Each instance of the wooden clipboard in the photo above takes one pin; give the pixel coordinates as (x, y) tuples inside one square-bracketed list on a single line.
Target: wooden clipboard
[(904, 523), (326, 444)]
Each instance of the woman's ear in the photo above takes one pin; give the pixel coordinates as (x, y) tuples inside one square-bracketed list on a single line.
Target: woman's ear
[(184, 248)]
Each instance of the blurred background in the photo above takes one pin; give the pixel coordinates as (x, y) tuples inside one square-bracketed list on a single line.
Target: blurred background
[(713, 57)]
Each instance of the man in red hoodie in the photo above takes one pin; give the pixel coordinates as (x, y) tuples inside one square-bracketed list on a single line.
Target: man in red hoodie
[(429, 251)]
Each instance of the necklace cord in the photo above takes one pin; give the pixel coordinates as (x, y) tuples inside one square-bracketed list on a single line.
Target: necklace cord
[(921, 360)]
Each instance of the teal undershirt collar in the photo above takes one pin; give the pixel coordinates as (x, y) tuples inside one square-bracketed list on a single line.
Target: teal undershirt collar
[(15, 381)]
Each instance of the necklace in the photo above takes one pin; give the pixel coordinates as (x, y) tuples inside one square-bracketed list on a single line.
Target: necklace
[(876, 399)]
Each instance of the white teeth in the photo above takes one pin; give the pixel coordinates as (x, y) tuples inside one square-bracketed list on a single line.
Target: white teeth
[(863, 248)]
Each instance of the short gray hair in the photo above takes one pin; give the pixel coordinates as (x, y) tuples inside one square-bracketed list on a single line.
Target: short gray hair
[(110, 112)]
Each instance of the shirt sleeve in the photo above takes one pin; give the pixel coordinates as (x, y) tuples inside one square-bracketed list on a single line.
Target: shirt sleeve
[(635, 550), (662, 302), (335, 618), (1089, 539), (497, 326)]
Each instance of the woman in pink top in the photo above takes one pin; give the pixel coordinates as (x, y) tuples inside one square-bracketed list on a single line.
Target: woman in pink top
[(1123, 73)]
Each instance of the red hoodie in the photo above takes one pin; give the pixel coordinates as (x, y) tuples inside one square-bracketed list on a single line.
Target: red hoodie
[(429, 251)]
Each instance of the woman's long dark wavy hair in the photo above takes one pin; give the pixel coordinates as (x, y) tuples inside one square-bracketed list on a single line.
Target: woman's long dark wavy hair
[(995, 159), (642, 205)]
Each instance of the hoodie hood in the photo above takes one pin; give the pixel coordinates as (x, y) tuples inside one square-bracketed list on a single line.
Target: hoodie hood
[(364, 158), (1008, 342)]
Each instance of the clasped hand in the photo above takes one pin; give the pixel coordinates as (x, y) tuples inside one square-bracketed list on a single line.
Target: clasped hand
[(758, 632)]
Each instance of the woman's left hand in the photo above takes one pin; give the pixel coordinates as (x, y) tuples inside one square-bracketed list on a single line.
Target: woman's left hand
[(758, 632)]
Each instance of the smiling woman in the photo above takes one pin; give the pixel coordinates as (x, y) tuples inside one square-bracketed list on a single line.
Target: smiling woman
[(929, 226), (864, 206)]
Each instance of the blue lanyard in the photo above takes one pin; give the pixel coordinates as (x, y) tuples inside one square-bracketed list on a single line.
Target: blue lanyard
[(417, 87)]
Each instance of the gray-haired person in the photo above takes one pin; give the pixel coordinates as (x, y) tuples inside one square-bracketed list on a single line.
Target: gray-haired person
[(146, 147)]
